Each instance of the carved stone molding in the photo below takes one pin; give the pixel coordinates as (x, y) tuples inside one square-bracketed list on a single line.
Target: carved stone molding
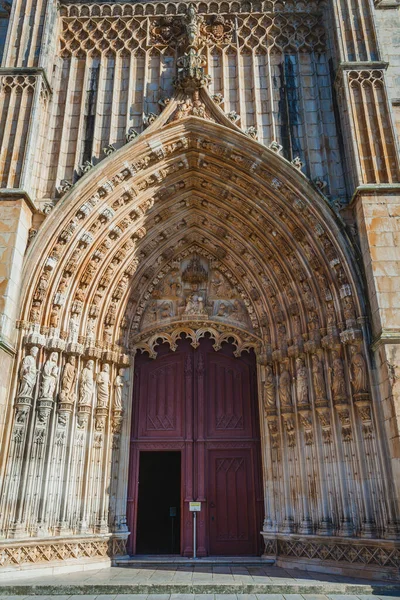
[(41, 552), (195, 330), (380, 556)]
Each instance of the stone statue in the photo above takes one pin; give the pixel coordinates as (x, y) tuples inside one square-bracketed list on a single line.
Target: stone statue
[(49, 377), (68, 381), (73, 328), (301, 382), (119, 383), (285, 396), (103, 387), (359, 377), (318, 378), (338, 380), (86, 386), (28, 374), (269, 389)]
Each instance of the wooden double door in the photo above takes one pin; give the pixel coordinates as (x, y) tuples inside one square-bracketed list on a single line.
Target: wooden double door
[(202, 404)]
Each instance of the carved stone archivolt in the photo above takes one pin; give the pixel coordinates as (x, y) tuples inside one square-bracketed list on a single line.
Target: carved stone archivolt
[(194, 229)]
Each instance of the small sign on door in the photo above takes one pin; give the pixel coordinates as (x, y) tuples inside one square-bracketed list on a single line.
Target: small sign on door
[(195, 506)]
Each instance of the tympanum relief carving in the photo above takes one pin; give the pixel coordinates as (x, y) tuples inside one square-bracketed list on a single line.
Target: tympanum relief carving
[(195, 289)]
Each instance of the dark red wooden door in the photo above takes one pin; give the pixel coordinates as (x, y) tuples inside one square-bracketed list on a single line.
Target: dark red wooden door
[(203, 403), (231, 494)]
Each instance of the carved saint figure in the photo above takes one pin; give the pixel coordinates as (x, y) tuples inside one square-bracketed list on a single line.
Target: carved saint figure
[(359, 378), (27, 374), (338, 380), (103, 386), (318, 377), (195, 305), (284, 389), (119, 383), (269, 389), (86, 385), (68, 381), (49, 377), (301, 382)]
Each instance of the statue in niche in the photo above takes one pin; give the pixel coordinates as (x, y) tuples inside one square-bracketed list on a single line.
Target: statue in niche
[(49, 377), (285, 396), (73, 328), (338, 379), (195, 305), (296, 325), (348, 308), (86, 386), (68, 381), (119, 383), (103, 387), (54, 315), (269, 389), (28, 374), (359, 379), (330, 314), (318, 378), (301, 382)]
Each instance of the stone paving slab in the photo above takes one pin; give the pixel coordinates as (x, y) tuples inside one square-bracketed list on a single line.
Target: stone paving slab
[(196, 582)]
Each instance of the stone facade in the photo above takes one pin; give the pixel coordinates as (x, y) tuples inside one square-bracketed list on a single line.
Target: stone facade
[(218, 168)]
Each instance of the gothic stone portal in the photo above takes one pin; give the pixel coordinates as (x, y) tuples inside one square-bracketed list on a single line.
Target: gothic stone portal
[(202, 403)]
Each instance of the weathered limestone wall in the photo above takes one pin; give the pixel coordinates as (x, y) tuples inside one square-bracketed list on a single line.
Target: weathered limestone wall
[(15, 221), (378, 220)]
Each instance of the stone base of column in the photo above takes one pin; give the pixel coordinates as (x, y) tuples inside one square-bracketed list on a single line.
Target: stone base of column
[(372, 559)]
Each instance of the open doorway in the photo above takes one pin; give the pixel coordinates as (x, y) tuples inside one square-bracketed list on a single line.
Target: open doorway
[(159, 503)]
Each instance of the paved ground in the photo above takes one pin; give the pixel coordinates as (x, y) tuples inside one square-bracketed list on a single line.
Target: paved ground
[(197, 582), (208, 597)]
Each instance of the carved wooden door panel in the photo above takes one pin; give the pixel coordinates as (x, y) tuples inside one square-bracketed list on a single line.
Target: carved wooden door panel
[(231, 495)]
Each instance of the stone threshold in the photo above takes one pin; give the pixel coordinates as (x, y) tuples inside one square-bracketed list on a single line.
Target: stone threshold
[(198, 588), (167, 560)]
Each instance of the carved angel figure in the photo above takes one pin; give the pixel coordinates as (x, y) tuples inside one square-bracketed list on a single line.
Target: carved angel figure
[(301, 382), (49, 377), (86, 385), (103, 386), (338, 380), (269, 389), (359, 377), (27, 374), (68, 381), (119, 383), (285, 396)]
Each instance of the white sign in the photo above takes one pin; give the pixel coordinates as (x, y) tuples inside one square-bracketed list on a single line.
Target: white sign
[(195, 506)]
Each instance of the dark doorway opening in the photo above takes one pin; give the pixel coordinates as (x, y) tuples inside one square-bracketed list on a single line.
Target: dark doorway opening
[(159, 503)]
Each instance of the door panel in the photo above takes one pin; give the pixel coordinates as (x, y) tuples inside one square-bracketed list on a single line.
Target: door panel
[(228, 397), (232, 525), (161, 398)]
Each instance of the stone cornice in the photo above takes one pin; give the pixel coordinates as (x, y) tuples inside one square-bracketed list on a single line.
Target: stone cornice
[(391, 336), (374, 188), (35, 71), (15, 193)]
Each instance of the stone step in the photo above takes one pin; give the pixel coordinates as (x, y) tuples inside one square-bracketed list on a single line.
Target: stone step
[(165, 561), (313, 588)]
